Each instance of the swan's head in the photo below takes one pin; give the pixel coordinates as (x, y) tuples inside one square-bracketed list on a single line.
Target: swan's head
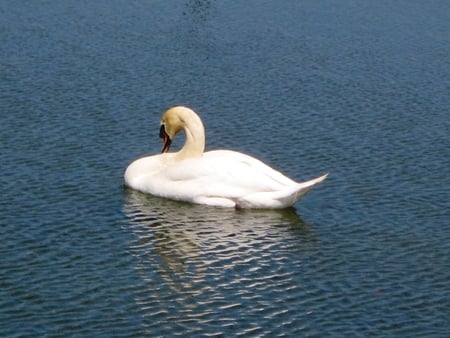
[(172, 121)]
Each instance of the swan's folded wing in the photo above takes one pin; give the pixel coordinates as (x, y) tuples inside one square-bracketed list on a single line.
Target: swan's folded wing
[(227, 178)]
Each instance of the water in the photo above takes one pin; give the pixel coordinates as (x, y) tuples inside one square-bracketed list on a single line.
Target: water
[(357, 89)]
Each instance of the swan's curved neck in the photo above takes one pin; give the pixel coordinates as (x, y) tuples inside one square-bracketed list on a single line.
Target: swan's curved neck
[(195, 138)]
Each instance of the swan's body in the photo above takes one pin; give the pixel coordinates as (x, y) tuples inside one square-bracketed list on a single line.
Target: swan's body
[(219, 178)]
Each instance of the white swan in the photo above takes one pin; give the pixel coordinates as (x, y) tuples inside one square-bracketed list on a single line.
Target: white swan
[(222, 178)]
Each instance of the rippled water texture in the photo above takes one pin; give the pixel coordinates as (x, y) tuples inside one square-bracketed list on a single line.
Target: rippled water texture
[(357, 89)]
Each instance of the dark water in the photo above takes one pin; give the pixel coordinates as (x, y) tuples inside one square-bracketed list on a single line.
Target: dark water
[(357, 89)]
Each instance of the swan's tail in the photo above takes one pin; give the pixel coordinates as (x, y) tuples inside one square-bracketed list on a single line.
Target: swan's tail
[(290, 196), (304, 187), (279, 199)]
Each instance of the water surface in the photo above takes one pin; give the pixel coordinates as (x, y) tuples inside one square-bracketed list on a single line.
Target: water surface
[(360, 90)]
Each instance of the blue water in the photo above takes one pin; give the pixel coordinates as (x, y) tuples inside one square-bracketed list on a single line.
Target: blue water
[(356, 89)]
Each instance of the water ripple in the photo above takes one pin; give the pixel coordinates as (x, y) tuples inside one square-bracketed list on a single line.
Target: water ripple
[(204, 254), (83, 85)]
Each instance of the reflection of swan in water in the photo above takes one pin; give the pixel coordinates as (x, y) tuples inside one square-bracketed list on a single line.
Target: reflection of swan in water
[(190, 240)]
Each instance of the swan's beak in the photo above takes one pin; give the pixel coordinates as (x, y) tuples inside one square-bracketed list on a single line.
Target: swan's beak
[(166, 139)]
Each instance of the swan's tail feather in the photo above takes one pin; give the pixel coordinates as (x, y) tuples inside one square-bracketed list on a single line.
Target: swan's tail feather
[(280, 199), (305, 187)]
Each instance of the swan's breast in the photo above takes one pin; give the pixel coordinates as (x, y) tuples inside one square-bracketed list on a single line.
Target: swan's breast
[(143, 169)]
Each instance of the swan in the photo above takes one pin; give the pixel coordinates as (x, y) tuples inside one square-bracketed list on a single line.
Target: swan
[(221, 178)]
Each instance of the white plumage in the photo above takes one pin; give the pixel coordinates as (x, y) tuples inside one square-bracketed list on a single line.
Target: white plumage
[(222, 178)]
